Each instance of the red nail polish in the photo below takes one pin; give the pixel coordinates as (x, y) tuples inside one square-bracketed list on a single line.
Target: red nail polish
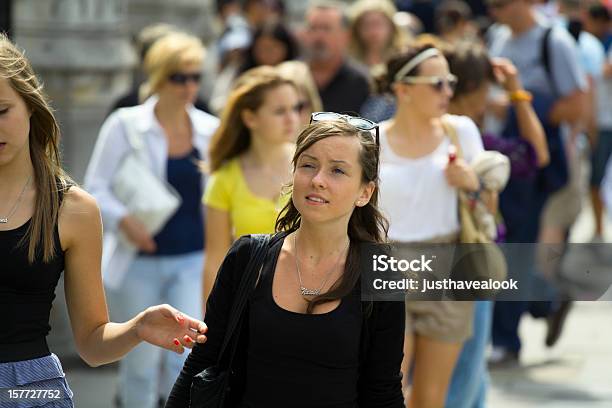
[(452, 153), (176, 342), (188, 339)]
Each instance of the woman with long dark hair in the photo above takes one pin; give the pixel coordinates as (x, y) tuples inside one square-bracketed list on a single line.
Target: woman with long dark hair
[(309, 341)]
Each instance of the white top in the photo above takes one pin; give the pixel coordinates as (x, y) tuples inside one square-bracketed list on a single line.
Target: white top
[(414, 194)]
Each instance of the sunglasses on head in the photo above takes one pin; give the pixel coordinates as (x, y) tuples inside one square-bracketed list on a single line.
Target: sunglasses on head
[(436, 82), (356, 121), (183, 78)]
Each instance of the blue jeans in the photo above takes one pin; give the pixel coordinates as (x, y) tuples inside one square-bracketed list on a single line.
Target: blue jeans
[(470, 378), (149, 372)]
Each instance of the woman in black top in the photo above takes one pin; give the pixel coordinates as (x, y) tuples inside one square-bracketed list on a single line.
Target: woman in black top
[(48, 225), (309, 341)]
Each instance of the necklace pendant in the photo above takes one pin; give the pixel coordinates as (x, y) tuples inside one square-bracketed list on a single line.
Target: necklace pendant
[(309, 292), (3, 220)]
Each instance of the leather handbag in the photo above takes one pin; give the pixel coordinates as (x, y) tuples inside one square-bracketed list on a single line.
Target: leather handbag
[(211, 387), (151, 200), (483, 259)]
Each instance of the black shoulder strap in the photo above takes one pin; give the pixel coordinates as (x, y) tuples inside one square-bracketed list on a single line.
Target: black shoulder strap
[(259, 249), (546, 57)]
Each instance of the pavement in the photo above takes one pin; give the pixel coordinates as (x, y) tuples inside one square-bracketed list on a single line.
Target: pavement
[(575, 373)]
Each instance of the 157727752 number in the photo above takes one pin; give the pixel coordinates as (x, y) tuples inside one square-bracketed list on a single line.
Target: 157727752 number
[(43, 394)]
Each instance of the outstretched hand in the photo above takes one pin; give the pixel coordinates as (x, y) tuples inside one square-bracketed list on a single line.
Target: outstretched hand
[(166, 327)]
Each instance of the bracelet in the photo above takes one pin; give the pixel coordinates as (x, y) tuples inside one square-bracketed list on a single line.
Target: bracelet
[(475, 195), (521, 95)]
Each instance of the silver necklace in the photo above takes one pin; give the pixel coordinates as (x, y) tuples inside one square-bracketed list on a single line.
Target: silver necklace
[(313, 292), (5, 220)]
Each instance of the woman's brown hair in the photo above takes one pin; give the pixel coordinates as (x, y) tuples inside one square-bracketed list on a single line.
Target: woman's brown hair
[(49, 178), (366, 225), (232, 136), (384, 82), (471, 63)]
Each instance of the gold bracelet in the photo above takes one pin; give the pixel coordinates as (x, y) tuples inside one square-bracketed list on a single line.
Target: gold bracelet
[(521, 95)]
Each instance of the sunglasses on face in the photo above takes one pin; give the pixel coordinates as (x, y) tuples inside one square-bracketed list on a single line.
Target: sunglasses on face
[(356, 121), (435, 82), (182, 78)]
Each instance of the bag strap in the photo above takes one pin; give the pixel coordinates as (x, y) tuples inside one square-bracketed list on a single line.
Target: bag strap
[(546, 56), (259, 247), (451, 133)]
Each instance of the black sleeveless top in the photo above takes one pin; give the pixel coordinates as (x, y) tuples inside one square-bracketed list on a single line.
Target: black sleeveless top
[(301, 360), (26, 294)]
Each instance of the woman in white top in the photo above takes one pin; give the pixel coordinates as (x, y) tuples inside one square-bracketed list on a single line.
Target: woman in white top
[(418, 191), (165, 265)]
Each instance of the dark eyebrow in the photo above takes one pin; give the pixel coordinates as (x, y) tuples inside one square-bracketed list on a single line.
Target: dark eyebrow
[(309, 156), (341, 162), (306, 155)]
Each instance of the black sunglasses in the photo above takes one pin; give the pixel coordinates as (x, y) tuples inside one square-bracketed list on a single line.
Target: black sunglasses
[(358, 122), (182, 79)]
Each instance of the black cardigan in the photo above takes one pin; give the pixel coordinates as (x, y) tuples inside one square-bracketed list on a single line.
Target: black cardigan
[(382, 339)]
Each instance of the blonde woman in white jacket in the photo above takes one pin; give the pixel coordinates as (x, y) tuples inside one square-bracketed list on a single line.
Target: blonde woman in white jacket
[(141, 268)]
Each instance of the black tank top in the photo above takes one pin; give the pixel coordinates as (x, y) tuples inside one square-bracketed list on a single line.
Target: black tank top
[(301, 360), (26, 294)]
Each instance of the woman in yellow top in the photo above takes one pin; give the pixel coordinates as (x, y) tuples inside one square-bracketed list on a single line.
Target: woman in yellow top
[(250, 160)]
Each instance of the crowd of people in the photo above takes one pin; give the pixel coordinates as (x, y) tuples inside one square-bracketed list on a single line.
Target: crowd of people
[(362, 125)]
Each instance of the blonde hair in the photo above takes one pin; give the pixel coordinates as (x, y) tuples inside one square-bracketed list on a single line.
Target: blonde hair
[(150, 34), (167, 55), (49, 178), (298, 72), (357, 47), (232, 137)]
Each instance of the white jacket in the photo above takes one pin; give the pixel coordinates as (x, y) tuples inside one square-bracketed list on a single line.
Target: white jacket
[(111, 147)]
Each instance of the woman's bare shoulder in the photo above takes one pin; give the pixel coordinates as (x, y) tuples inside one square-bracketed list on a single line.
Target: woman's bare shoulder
[(78, 201), (79, 214)]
